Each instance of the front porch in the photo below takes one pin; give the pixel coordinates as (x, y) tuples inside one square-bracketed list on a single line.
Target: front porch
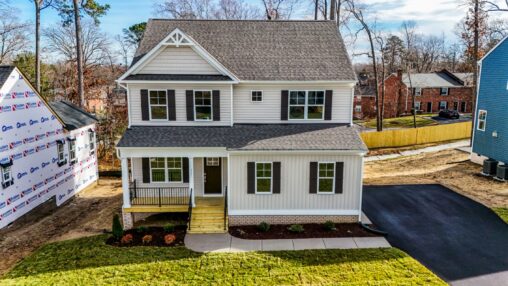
[(165, 184)]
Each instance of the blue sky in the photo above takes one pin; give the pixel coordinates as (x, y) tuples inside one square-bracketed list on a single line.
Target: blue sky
[(436, 17)]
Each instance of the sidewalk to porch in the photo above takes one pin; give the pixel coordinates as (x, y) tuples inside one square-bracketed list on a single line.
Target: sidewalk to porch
[(227, 243)]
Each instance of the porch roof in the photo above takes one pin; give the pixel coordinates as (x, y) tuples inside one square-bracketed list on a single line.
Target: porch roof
[(269, 137)]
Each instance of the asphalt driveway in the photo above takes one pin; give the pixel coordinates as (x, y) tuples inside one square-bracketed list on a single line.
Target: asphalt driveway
[(462, 241)]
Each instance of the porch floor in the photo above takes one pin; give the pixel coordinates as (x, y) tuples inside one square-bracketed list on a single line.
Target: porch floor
[(149, 205)]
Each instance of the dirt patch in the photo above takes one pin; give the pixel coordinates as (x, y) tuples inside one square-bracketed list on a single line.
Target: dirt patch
[(280, 231), (450, 168), (88, 213), (157, 237)]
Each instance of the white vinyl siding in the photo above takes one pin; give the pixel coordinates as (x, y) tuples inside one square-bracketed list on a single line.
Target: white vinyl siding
[(181, 60), (180, 102), (137, 174), (294, 184), (268, 111)]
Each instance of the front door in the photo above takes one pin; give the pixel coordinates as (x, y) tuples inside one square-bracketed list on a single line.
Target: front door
[(429, 107), (456, 106), (213, 176)]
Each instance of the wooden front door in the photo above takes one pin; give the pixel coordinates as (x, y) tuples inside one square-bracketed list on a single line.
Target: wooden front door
[(213, 176)]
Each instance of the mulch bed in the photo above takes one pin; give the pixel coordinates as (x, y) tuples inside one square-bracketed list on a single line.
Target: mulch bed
[(281, 231), (157, 234)]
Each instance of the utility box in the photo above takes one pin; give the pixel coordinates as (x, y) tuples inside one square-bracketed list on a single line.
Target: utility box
[(502, 172), (490, 167)]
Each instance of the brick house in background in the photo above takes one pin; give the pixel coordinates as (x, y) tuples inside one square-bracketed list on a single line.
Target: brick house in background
[(434, 92), (365, 97)]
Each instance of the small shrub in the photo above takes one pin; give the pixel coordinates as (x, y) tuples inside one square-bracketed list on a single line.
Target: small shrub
[(329, 225), (264, 226), (147, 239), (127, 239), (169, 238), (117, 228), (169, 228), (141, 229), (296, 228)]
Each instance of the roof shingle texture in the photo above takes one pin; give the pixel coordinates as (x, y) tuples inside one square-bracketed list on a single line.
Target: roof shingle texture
[(5, 71), (247, 137), (435, 79), (263, 50), (193, 77), (72, 116)]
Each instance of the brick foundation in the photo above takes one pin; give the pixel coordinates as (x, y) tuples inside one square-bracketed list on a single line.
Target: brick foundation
[(288, 219), (128, 220)]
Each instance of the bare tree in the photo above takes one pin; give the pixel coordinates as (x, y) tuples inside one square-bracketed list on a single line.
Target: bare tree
[(380, 39), (39, 6), (95, 43), (495, 7), (278, 9), (408, 30), (13, 35), (125, 49), (208, 9), (358, 13)]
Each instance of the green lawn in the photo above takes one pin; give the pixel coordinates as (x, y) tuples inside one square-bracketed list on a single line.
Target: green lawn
[(502, 213), (90, 261), (402, 122)]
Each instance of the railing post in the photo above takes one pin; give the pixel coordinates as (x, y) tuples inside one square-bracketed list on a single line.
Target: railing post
[(135, 190), (160, 204)]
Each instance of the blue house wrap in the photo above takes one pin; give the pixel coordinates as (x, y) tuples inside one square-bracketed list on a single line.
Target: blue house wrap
[(491, 118)]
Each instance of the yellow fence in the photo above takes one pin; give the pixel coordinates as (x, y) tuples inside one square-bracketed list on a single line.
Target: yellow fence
[(415, 136)]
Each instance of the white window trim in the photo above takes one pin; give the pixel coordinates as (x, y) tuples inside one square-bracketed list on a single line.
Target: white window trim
[(484, 120), (333, 178), (194, 104), (150, 105), (447, 91), (72, 143), (91, 138), (256, 178), (418, 91), (58, 152), (258, 101), (445, 107), (419, 104), (166, 169), (306, 105), (3, 172)]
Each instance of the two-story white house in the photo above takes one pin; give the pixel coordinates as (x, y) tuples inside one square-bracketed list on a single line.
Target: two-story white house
[(239, 122)]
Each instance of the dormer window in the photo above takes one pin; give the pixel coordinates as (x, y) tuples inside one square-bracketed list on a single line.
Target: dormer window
[(443, 91)]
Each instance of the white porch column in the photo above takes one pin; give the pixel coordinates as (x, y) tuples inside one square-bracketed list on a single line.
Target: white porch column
[(191, 180), (125, 184)]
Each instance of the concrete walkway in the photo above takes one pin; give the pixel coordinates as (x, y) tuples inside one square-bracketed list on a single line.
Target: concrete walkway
[(228, 243), (454, 145)]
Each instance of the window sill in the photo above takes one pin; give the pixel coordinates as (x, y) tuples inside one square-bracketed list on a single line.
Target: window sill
[(264, 194), (60, 164)]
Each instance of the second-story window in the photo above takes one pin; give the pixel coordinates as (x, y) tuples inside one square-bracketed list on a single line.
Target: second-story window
[(158, 105), (418, 91), (203, 105), (306, 104), (443, 91)]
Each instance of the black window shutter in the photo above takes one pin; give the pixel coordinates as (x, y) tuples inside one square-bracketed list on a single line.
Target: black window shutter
[(216, 105), (145, 165), (284, 97), (171, 105), (276, 178), (185, 167), (339, 177), (251, 178), (145, 114), (313, 178), (328, 104), (189, 98)]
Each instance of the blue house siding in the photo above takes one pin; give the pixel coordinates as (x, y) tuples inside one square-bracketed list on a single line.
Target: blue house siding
[(493, 97)]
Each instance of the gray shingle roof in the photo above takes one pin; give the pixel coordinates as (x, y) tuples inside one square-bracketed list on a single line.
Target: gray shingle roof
[(263, 50), (168, 77), (72, 116), (5, 71), (247, 137), (435, 79)]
